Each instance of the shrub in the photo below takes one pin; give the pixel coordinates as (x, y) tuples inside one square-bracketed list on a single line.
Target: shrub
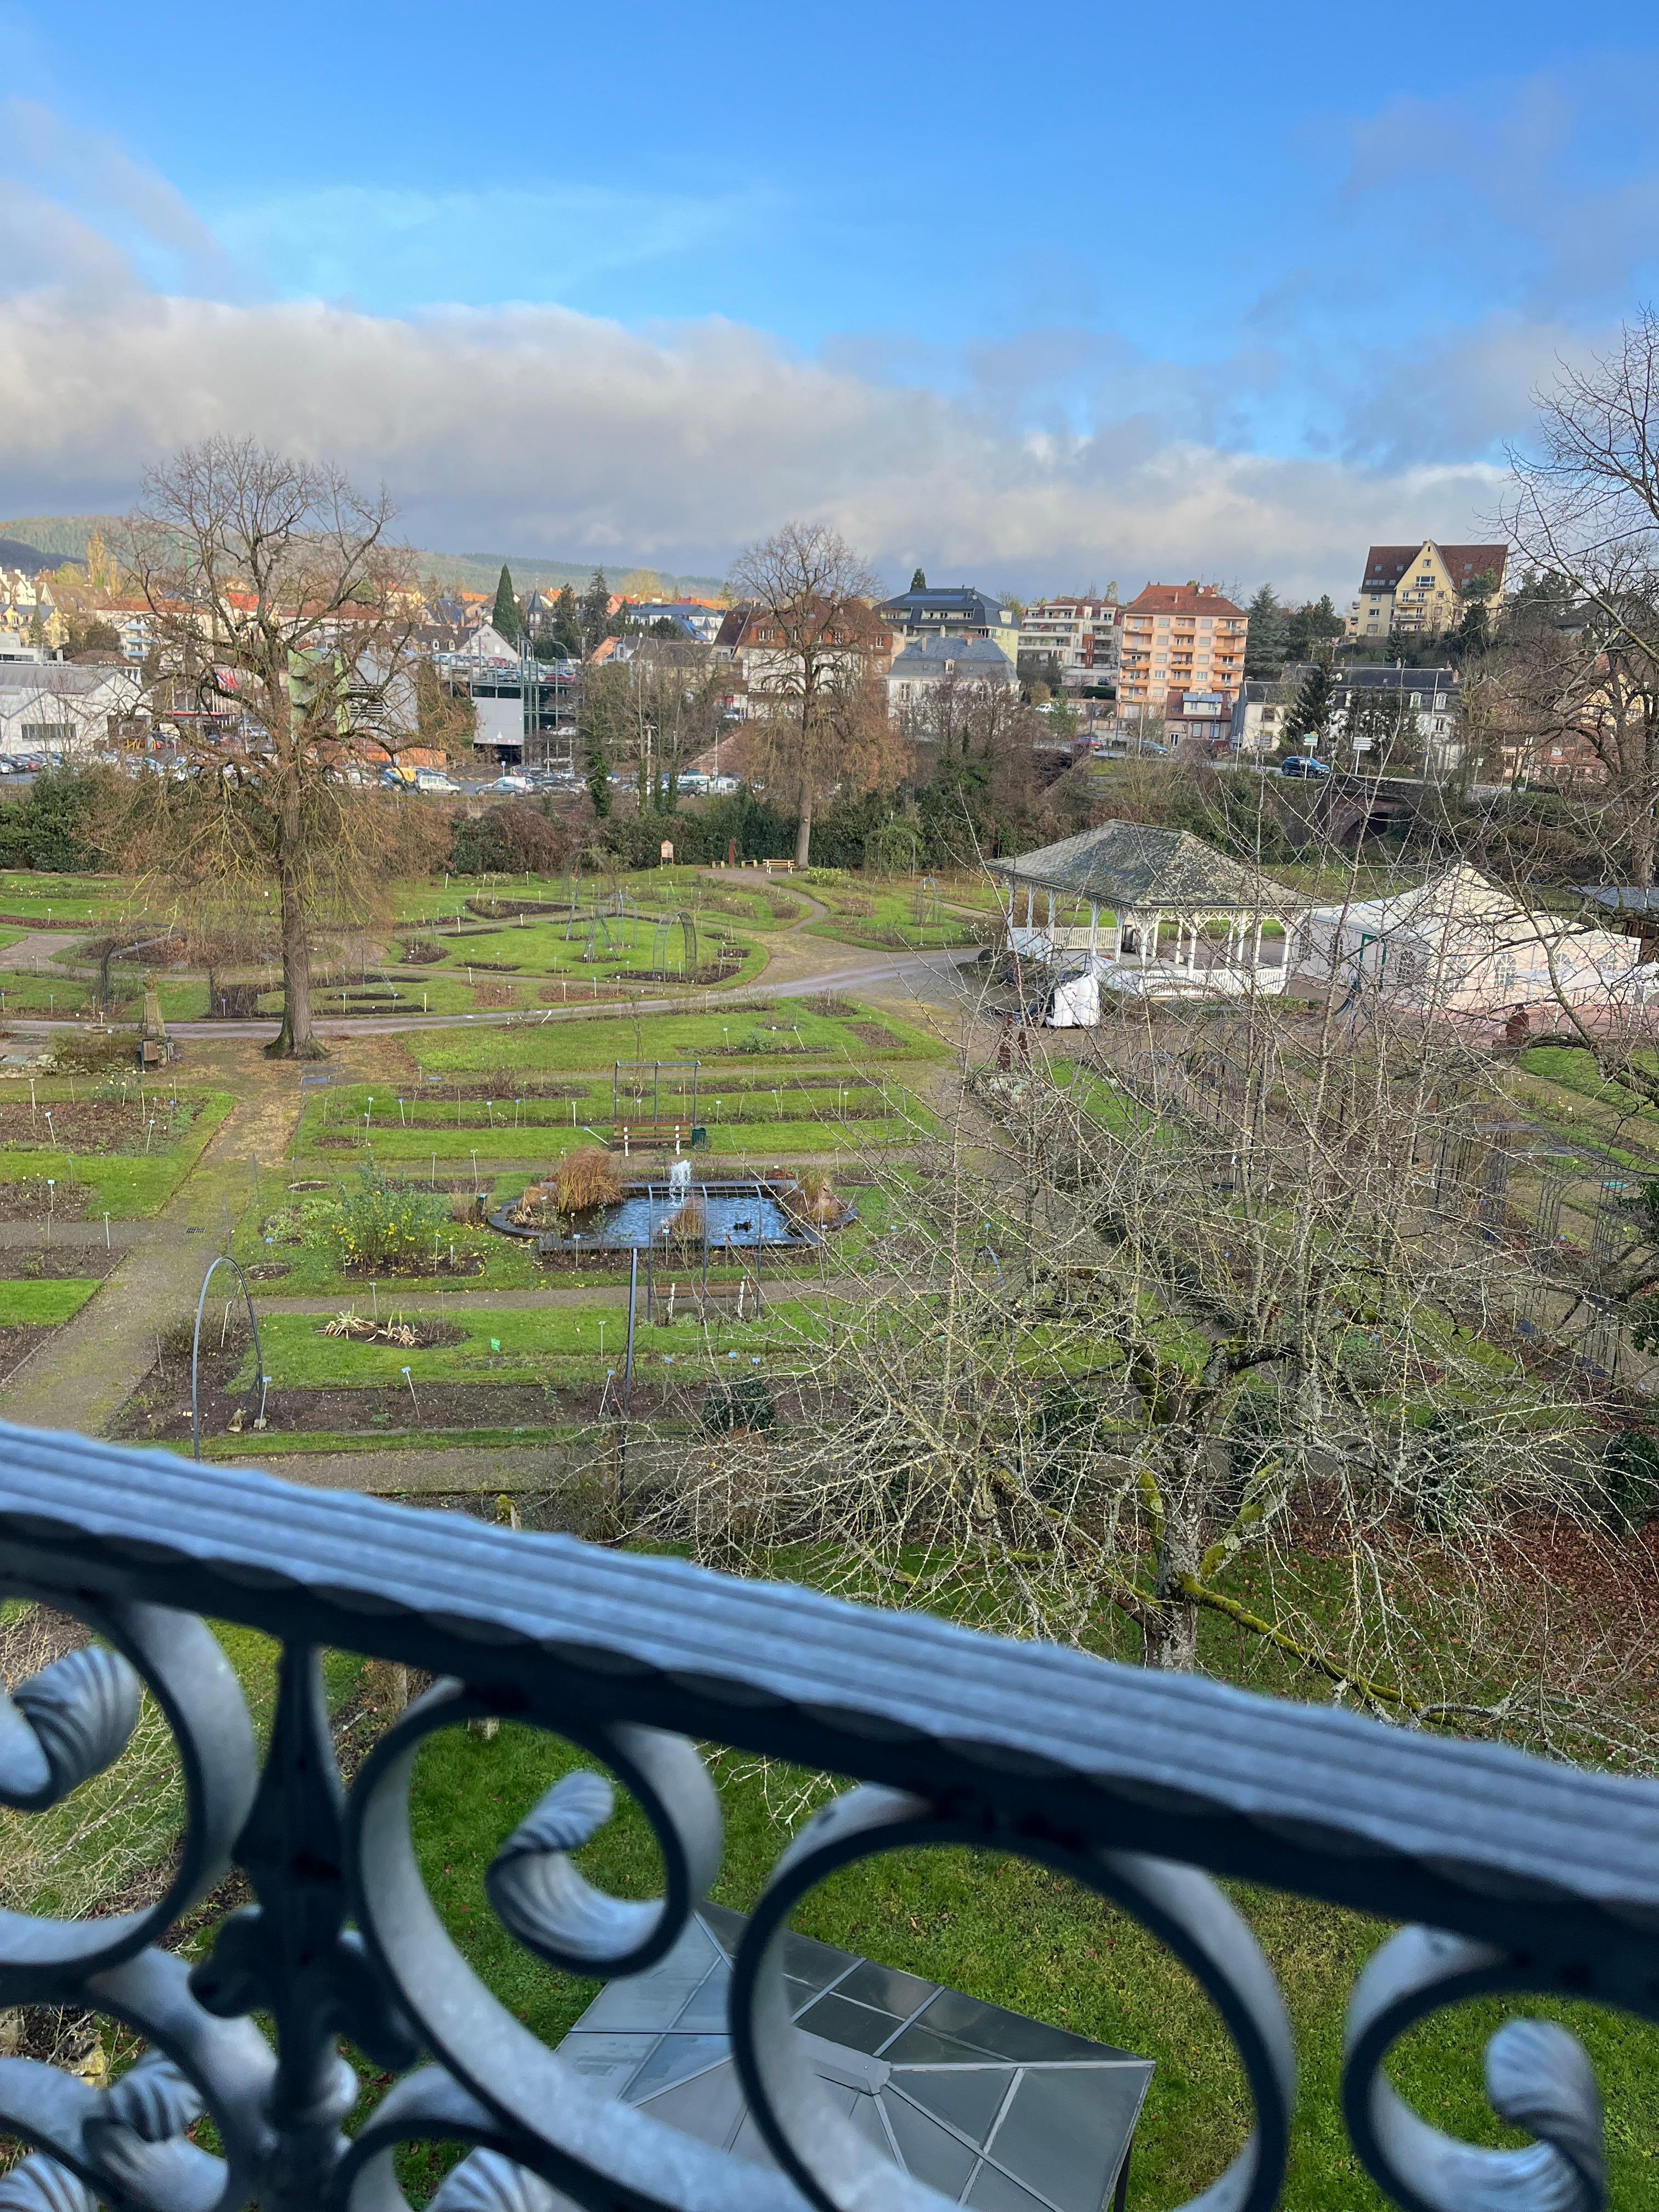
[(380, 1222), (734, 1408), (585, 1179), (687, 1226), (1630, 1480)]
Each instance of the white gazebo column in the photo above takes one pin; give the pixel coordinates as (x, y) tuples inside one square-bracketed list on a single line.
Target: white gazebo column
[(1094, 931), (1256, 961), (1030, 899)]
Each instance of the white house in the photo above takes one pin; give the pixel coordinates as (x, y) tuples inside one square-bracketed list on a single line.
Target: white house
[(1460, 945), (56, 706), (927, 662)]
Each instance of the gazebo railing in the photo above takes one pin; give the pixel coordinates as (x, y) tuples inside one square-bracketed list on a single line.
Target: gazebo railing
[(1512, 1874)]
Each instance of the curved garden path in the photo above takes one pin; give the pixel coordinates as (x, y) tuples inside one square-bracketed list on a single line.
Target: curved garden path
[(82, 1376)]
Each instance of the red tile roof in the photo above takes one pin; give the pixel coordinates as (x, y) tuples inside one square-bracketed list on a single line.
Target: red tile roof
[(1181, 600)]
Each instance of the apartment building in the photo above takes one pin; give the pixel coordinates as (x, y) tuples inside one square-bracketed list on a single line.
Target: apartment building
[(1077, 639), (1411, 590), (953, 610), (1182, 657)]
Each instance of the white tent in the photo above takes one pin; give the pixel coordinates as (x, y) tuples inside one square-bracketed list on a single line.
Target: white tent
[(1458, 944)]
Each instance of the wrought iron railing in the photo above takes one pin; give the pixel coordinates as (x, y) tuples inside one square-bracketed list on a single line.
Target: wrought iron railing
[(1515, 1874)]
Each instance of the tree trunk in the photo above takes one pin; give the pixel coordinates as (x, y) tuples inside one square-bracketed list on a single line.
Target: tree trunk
[(296, 1040), (804, 835), (1172, 1637)]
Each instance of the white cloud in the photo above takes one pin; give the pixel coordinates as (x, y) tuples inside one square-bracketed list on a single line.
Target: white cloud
[(546, 431)]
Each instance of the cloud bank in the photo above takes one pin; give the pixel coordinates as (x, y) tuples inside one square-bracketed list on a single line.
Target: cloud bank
[(1045, 459), (546, 431)]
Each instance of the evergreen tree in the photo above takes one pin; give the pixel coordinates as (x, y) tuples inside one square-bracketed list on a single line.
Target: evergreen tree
[(596, 771), (506, 617), (1264, 642), (918, 582), (597, 624), (565, 629), (1311, 710), (1308, 628)]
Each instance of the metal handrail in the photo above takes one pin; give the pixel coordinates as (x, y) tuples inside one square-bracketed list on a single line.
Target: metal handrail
[(1514, 1874)]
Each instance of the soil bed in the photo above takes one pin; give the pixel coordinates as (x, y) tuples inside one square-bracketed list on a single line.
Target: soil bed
[(158, 1410), (29, 1198), (90, 1125), (16, 1344), (505, 1084), (64, 1263)]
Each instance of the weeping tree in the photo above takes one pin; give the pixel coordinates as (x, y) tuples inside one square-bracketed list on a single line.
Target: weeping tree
[(284, 619)]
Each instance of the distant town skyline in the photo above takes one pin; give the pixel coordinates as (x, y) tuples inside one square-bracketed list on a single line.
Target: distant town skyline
[(1043, 304)]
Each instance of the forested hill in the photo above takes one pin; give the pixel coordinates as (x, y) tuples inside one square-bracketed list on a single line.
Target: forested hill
[(63, 538)]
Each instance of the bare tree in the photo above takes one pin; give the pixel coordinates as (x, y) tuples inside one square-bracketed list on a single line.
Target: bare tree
[(284, 622), (660, 709), (1584, 508), (1195, 1326), (811, 595)]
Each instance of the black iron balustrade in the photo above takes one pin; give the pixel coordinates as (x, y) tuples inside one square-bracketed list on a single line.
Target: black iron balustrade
[(1516, 1875)]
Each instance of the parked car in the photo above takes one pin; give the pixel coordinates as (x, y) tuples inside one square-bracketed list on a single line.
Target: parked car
[(515, 783), (392, 779), (1304, 765), (433, 778)]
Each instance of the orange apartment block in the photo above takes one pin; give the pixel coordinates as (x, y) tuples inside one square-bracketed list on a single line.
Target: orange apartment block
[(1183, 647)]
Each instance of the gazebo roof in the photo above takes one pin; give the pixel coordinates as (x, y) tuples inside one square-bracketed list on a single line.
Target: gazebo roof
[(988, 2107), (1125, 864)]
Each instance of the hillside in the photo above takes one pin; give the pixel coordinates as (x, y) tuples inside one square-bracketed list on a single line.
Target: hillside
[(64, 537)]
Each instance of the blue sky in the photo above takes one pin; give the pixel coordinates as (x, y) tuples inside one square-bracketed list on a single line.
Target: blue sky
[(1038, 295)]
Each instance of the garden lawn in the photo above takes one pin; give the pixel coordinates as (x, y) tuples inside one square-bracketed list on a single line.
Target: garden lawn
[(741, 1038), (881, 917), (124, 1185), (1020, 1936), (44, 1304), (537, 1343), (47, 901)]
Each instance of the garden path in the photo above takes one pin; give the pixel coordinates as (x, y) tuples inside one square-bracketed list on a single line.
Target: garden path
[(464, 1468), (38, 948), (80, 1379)]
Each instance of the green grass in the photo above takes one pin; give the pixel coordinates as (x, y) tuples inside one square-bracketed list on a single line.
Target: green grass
[(868, 913), (290, 1443), (551, 1047), (1020, 1936), (538, 1344), (54, 901), (44, 1304), (124, 1185)]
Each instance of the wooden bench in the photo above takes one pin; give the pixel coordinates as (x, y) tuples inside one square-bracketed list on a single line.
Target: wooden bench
[(646, 1135), (691, 1301)]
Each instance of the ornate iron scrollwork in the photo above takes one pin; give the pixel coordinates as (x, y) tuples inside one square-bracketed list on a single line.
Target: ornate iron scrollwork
[(1526, 1877)]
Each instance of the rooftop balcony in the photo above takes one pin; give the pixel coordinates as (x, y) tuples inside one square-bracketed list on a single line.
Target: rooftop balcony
[(1512, 1874)]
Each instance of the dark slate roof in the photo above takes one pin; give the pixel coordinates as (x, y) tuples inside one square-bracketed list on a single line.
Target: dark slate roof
[(990, 2107), (963, 600), (1124, 864), (925, 656)]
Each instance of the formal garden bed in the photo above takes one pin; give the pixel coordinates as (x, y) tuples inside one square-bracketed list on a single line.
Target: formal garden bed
[(130, 1171)]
